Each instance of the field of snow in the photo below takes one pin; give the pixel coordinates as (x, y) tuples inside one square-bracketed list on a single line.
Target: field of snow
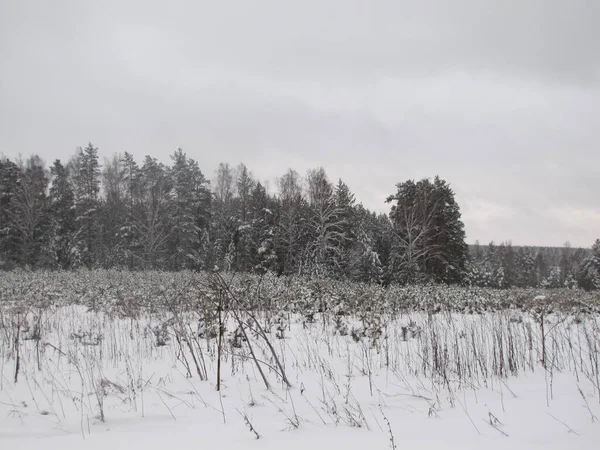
[(114, 362)]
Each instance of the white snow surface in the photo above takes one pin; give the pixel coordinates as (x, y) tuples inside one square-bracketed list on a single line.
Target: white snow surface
[(343, 394)]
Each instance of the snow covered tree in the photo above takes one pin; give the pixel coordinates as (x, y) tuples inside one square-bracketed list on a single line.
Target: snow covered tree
[(263, 229), (326, 234), (149, 222), (508, 263), (244, 185), (84, 169), (224, 223), (566, 262), (114, 214), (62, 216), (345, 204), (290, 236), (540, 269), (428, 234), (246, 249), (577, 265), (364, 261), (448, 262), (29, 213), (554, 278), (132, 200), (190, 213), (10, 179), (591, 269), (525, 263)]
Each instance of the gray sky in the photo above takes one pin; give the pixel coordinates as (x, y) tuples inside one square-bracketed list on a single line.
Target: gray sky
[(500, 98)]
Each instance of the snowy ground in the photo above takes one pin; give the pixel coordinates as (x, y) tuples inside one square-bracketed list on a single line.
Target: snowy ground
[(346, 392)]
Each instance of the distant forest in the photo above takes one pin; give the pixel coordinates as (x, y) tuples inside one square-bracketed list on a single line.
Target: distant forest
[(146, 215)]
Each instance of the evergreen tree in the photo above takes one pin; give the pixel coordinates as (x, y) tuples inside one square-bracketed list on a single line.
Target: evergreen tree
[(10, 180), (428, 234), (190, 213), (578, 263), (85, 173), (62, 217), (290, 236), (525, 263), (566, 263), (29, 213), (448, 262), (224, 222), (364, 262), (591, 269), (149, 226), (246, 249), (554, 278), (325, 226), (348, 227), (541, 269), (500, 265), (382, 236), (132, 199), (114, 214), (244, 185), (263, 228)]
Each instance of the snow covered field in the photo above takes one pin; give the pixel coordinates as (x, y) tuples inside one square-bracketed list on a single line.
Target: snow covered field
[(101, 374)]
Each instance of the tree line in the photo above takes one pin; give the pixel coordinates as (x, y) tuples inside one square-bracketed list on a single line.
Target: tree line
[(150, 215), (504, 266)]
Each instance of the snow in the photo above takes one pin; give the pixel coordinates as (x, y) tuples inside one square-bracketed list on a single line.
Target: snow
[(343, 391)]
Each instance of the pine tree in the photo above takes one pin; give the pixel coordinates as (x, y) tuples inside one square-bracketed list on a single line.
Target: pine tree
[(448, 262), (224, 223), (29, 213), (85, 172), (540, 269), (364, 262), (245, 247), (345, 203), (554, 278), (149, 226), (263, 229), (428, 234), (10, 180), (291, 233), (327, 238), (578, 263), (132, 200), (244, 185), (114, 214), (525, 263), (566, 263), (591, 269), (190, 213), (62, 217)]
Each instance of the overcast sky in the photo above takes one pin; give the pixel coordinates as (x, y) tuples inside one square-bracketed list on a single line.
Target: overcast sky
[(500, 98)]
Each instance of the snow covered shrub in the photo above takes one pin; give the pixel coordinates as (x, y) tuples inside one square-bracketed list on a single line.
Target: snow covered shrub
[(281, 325), (161, 334), (86, 337), (340, 325), (410, 331)]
